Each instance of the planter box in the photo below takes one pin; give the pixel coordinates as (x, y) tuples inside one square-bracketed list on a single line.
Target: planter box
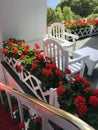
[(85, 31), (33, 83)]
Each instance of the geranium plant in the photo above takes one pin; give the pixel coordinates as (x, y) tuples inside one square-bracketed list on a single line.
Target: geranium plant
[(76, 25), (78, 98), (33, 61)]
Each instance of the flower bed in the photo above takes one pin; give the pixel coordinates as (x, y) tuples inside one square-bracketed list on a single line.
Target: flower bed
[(79, 99), (42, 74), (39, 73), (82, 28)]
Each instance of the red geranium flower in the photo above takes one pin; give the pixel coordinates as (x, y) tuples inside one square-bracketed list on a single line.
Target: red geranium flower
[(47, 72), (23, 56), (19, 68), (82, 109), (40, 56), (51, 66), (68, 71), (95, 92), (4, 50), (79, 100), (27, 47), (93, 101), (48, 58), (22, 125), (20, 43), (37, 45), (38, 119), (60, 90), (37, 52), (86, 89), (15, 107), (25, 50), (58, 72), (36, 61), (60, 83), (34, 66), (10, 43), (15, 51)]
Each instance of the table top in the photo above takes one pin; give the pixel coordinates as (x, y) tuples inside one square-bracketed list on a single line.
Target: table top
[(91, 52)]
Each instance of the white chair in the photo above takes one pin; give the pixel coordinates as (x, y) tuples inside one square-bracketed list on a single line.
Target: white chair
[(57, 32), (60, 56)]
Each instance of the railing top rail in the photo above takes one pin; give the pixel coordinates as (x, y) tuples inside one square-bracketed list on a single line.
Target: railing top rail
[(49, 109)]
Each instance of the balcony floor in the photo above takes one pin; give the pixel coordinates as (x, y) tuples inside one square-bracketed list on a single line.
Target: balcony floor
[(93, 43)]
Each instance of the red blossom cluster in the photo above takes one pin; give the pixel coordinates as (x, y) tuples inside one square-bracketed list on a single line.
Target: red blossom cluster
[(80, 22), (77, 95), (80, 103), (60, 90), (77, 78), (21, 125), (38, 119), (93, 101)]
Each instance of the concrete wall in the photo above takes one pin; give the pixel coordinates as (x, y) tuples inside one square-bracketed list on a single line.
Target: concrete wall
[(22, 19)]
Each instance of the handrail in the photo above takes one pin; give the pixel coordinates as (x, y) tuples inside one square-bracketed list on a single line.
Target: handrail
[(48, 111)]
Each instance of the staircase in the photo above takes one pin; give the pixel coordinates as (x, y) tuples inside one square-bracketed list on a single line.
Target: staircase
[(6, 122)]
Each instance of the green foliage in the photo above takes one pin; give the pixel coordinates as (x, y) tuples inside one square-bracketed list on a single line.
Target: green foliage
[(93, 16), (67, 14), (77, 9), (35, 123), (79, 99), (51, 15)]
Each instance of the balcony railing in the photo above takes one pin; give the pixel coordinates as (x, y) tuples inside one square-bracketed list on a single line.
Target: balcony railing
[(51, 116)]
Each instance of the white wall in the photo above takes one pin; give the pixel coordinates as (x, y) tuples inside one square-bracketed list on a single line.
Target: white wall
[(22, 19)]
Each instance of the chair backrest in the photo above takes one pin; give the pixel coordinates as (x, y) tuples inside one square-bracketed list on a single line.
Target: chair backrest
[(56, 30), (60, 56), (55, 51)]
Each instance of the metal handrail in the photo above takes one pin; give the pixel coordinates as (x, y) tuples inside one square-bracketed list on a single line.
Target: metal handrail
[(48, 112)]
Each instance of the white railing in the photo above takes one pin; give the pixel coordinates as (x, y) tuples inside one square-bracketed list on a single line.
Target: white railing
[(48, 113), (85, 31), (33, 83)]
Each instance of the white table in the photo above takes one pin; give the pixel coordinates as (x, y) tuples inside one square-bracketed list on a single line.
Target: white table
[(93, 57)]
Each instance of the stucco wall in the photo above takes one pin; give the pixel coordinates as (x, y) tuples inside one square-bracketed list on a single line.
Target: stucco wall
[(22, 19)]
